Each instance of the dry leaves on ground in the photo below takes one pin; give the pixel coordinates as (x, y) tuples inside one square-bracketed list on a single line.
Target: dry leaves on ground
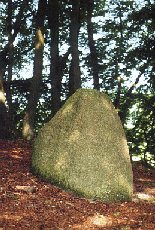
[(28, 203)]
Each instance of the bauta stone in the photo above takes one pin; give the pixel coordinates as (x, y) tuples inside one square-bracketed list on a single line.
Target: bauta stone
[(83, 149)]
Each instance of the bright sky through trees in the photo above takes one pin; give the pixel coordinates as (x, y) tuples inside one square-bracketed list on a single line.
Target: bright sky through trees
[(115, 52)]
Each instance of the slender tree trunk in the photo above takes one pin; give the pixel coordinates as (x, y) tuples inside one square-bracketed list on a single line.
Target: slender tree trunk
[(53, 20), (4, 125), (6, 58), (91, 44), (10, 67), (119, 83), (29, 118), (74, 76), (118, 60), (3, 110), (118, 96)]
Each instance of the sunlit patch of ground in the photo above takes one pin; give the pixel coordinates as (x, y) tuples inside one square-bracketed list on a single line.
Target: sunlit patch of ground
[(27, 202)]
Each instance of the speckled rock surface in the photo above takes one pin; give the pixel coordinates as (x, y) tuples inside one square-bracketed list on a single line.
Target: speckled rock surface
[(84, 149)]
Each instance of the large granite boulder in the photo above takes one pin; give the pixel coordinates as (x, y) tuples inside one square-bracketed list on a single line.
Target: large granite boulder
[(84, 149)]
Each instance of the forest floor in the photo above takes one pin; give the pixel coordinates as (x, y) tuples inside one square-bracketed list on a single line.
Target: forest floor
[(28, 203)]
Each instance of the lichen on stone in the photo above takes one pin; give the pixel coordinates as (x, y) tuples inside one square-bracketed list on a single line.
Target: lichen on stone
[(84, 149)]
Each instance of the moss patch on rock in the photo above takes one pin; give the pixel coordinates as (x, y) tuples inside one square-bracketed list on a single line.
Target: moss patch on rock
[(84, 149)]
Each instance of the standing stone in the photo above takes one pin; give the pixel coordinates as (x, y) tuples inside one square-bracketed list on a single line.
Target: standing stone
[(83, 149)]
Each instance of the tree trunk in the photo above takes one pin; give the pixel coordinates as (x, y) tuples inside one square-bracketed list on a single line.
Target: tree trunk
[(74, 76), (53, 20), (6, 55), (91, 44), (4, 134), (29, 118), (10, 67)]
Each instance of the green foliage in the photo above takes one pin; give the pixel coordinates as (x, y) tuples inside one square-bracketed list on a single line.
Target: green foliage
[(124, 40), (142, 133)]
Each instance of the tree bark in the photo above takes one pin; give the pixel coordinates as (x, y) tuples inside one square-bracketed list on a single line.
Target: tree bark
[(92, 47), (4, 134), (55, 76), (6, 58), (74, 76), (29, 118), (10, 67)]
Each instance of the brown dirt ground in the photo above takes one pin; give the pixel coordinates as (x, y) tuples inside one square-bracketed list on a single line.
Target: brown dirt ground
[(28, 203)]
